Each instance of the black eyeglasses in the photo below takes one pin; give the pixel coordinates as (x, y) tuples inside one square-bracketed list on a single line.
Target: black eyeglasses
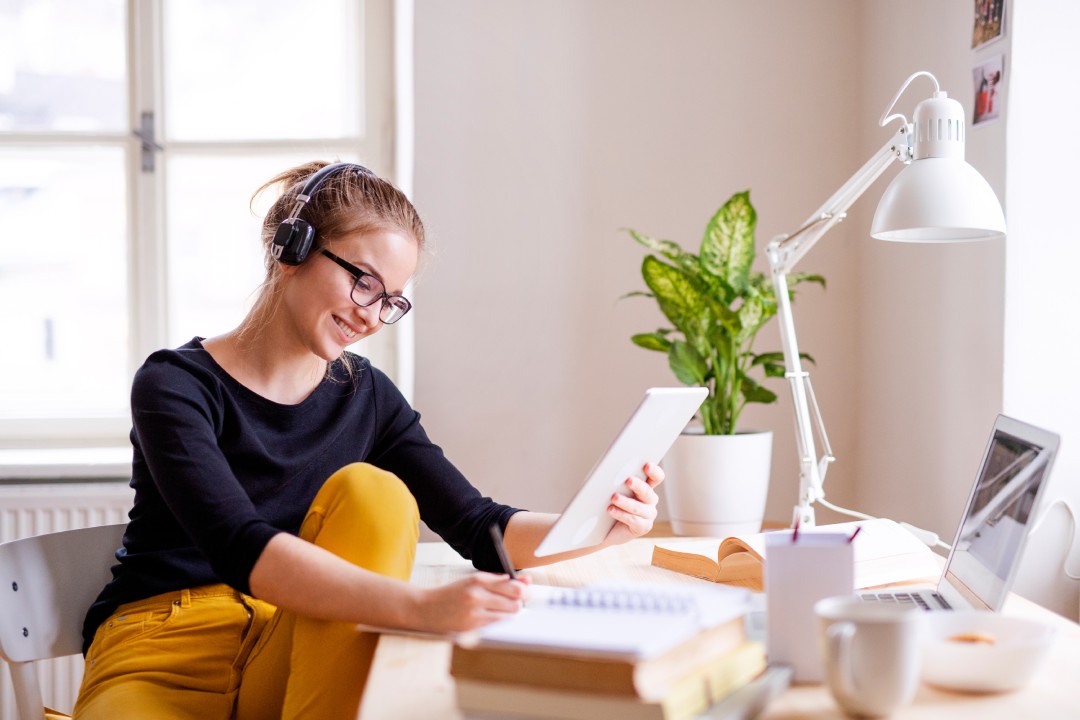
[(368, 290)]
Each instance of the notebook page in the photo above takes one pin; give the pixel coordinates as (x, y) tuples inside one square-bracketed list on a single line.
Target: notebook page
[(631, 621)]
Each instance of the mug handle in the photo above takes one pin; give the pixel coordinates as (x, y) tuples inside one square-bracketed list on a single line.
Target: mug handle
[(840, 673)]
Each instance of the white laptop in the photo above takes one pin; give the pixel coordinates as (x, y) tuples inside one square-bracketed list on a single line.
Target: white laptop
[(645, 438), (990, 540)]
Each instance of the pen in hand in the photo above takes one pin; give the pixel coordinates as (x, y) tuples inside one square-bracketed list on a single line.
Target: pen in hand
[(500, 548), (536, 594)]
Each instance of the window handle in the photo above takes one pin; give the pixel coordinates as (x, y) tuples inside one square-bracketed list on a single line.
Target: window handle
[(150, 145)]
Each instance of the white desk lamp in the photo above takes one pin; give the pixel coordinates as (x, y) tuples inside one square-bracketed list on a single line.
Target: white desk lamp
[(938, 197)]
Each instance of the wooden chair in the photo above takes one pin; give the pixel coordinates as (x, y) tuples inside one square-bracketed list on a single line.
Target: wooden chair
[(46, 585)]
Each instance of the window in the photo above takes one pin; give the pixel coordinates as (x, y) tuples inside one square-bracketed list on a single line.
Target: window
[(132, 135)]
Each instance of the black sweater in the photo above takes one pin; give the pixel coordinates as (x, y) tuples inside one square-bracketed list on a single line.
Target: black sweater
[(218, 470)]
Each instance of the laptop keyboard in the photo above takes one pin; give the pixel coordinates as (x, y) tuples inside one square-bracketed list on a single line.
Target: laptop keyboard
[(902, 598)]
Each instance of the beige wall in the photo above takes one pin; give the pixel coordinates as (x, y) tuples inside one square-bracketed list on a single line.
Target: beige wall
[(950, 336), (930, 327), (542, 129)]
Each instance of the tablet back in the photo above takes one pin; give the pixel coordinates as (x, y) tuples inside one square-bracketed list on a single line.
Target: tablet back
[(645, 438)]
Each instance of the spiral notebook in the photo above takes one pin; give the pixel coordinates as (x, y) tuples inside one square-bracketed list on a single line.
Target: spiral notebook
[(633, 621)]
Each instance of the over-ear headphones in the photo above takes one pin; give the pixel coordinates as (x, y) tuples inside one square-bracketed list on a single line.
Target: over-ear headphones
[(294, 237)]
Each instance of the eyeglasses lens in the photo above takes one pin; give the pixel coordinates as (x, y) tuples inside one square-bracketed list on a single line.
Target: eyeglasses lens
[(369, 290), (393, 310)]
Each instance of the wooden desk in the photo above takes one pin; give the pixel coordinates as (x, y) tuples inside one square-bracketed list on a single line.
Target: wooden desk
[(411, 680)]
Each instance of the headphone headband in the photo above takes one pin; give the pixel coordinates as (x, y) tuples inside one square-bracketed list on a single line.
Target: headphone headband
[(295, 237)]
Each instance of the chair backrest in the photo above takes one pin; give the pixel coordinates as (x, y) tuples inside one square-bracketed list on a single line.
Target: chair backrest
[(47, 583)]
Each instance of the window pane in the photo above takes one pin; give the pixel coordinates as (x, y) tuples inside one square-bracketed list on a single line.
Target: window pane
[(62, 65), (63, 282), (215, 257), (259, 69)]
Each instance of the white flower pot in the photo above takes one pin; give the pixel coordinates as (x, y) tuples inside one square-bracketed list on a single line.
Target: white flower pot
[(717, 484)]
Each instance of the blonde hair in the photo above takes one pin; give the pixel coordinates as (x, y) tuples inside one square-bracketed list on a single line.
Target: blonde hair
[(350, 201)]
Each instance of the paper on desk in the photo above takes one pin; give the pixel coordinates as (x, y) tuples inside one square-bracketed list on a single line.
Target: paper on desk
[(629, 620)]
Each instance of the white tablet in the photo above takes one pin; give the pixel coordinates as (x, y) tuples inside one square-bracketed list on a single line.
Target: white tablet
[(662, 414)]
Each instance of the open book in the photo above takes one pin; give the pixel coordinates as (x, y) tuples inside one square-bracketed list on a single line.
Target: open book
[(884, 553)]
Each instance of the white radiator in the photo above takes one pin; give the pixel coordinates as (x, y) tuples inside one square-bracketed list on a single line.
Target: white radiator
[(28, 510)]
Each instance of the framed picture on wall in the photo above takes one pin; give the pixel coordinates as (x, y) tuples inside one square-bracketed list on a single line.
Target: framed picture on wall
[(989, 22), (987, 77)]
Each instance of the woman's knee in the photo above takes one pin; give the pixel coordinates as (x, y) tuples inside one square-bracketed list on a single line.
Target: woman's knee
[(365, 504), (371, 490)]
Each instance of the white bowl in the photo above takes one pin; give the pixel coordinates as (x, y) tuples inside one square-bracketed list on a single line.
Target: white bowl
[(958, 653)]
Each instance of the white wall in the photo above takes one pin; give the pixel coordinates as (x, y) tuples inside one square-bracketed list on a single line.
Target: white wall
[(1042, 336), (544, 128)]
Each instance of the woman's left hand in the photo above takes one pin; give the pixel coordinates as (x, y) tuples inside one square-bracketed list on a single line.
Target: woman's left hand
[(634, 514)]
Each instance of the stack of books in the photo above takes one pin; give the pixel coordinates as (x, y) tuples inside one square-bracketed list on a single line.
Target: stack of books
[(631, 655)]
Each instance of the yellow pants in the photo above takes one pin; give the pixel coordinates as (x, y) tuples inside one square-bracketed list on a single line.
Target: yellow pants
[(212, 652)]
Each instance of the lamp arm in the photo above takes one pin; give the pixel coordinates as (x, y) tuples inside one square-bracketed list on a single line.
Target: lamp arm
[(783, 253)]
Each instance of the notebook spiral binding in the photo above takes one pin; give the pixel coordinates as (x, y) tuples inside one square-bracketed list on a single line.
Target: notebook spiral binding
[(628, 600)]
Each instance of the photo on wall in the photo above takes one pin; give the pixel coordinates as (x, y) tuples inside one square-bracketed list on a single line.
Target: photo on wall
[(989, 22), (987, 78)]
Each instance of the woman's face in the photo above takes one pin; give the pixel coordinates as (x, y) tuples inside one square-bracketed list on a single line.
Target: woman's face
[(318, 298)]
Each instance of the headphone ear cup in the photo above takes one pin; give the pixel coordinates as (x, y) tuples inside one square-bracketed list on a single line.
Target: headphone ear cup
[(292, 241)]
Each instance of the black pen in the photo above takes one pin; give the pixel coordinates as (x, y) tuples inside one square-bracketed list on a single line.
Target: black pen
[(504, 558)]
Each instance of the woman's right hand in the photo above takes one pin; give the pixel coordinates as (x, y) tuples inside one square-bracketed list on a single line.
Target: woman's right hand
[(472, 602)]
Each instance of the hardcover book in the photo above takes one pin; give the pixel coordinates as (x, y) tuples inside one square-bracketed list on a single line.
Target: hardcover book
[(649, 678), (685, 698)]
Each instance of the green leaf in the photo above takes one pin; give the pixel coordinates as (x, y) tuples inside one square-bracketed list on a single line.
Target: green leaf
[(685, 261), (651, 341), (667, 248), (771, 362), (679, 299), (751, 317), (727, 250), (794, 279), (774, 370), (687, 363), (767, 358), (754, 393)]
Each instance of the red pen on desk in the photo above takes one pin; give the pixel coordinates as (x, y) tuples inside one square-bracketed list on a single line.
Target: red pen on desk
[(854, 533), (795, 532)]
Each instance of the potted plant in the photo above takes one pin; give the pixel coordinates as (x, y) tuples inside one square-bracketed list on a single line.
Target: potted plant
[(718, 477)]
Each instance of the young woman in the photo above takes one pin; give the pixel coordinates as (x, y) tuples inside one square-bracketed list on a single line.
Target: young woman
[(278, 484)]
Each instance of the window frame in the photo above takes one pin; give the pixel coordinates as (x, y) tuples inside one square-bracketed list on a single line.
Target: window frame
[(373, 139)]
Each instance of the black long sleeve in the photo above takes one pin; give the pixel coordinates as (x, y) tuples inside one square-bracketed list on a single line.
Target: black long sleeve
[(219, 470)]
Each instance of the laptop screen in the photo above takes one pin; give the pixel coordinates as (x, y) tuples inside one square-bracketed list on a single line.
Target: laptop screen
[(986, 551)]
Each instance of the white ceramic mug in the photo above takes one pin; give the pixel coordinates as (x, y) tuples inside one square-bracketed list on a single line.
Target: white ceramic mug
[(871, 653)]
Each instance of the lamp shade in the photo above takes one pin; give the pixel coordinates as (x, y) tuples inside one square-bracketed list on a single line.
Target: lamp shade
[(938, 197), (938, 200)]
